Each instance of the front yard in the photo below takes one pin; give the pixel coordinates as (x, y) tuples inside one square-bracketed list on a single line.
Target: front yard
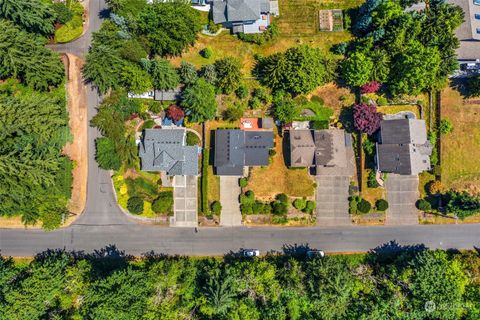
[(267, 182)]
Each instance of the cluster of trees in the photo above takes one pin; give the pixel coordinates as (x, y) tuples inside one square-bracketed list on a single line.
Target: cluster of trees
[(23, 56), (116, 147), (36, 177), (36, 16), (410, 52), (297, 70), (390, 282), (135, 31)]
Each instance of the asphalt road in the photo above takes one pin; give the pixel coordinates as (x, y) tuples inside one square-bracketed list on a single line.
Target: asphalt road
[(103, 223)]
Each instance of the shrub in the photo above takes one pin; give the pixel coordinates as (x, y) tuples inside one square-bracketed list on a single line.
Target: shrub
[(247, 198), (279, 219), (261, 208), (381, 204), (446, 126), (436, 187), (206, 52), (473, 86), (309, 207), (243, 182), (279, 208), (135, 205), (340, 48), (148, 124), (242, 92), (272, 152), (154, 106), (368, 147), (187, 72), (370, 87), (62, 12), (254, 103), (164, 202), (382, 101), (262, 94), (424, 205), (282, 197), (216, 207), (175, 113), (233, 113), (300, 204), (364, 206), (372, 180), (353, 205), (212, 27), (246, 208), (192, 139), (366, 118)]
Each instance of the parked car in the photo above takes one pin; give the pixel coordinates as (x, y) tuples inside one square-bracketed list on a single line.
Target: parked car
[(250, 253), (315, 253)]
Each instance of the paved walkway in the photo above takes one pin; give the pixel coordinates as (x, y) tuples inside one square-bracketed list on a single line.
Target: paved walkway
[(332, 200), (402, 193), (185, 201), (229, 198)]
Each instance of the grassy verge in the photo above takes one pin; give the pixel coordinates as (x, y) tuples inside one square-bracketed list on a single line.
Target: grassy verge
[(204, 185)]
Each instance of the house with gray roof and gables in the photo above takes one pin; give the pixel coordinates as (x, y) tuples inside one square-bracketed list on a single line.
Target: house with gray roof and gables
[(236, 149), (244, 16), (403, 147), (166, 150)]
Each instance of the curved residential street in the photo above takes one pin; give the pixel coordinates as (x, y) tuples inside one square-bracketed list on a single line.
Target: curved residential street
[(103, 223)]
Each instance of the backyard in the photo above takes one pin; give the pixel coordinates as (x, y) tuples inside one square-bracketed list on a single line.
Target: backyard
[(298, 24), (461, 148)]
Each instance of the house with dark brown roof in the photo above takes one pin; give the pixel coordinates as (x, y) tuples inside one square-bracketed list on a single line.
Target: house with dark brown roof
[(329, 151)]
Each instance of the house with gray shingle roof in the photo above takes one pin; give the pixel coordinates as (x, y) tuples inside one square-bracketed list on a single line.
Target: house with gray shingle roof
[(469, 31), (236, 149), (166, 150), (244, 16), (403, 147)]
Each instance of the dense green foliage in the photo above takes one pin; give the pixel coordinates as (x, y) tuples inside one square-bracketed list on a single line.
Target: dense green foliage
[(168, 27), (35, 16), (23, 56), (462, 204), (187, 72), (198, 100), (297, 70), (119, 53), (424, 205), (410, 52), (381, 205), (110, 121), (36, 177), (446, 126), (390, 282), (106, 156), (473, 86), (228, 74), (135, 205), (164, 203)]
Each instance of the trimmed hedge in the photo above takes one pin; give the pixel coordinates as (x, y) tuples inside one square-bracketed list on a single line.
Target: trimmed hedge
[(135, 205), (381, 204), (364, 206)]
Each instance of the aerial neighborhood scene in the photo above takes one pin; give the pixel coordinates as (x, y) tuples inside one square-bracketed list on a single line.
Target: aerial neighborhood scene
[(239, 159)]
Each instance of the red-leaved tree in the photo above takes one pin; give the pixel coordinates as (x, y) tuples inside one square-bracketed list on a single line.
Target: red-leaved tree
[(175, 113), (366, 118), (370, 87)]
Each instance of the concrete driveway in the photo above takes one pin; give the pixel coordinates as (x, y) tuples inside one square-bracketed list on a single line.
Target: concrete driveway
[(185, 201), (332, 200), (229, 198), (402, 194)]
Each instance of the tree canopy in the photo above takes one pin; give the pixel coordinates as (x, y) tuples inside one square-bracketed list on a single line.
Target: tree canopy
[(390, 282), (410, 52), (34, 16), (23, 55), (199, 102), (168, 27), (36, 177), (297, 70)]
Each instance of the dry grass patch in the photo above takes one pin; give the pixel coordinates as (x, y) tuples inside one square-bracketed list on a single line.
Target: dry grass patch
[(267, 182), (461, 148), (396, 109), (335, 97)]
